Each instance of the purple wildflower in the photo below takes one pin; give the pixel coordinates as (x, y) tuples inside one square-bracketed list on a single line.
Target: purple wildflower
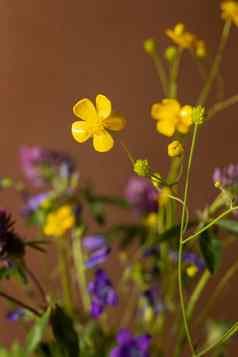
[(191, 258), (34, 202), (98, 249), (227, 176), (141, 195), (151, 299), (102, 293), (130, 346), (41, 165), (15, 315)]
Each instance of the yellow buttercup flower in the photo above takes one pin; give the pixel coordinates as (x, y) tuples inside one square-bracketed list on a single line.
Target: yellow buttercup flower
[(230, 11), (185, 39), (95, 121), (180, 36), (171, 116), (175, 149), (59, 221), (151, 220)]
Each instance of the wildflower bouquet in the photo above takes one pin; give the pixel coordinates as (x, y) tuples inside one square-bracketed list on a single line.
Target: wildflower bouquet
[(166, 256)]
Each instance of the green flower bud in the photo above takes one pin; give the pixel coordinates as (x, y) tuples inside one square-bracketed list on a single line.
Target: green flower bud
[(198, 115), (142, 168), (170, 54), (149, 46)]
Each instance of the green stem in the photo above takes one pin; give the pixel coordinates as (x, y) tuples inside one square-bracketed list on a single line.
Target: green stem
[(221, 285), (227, 335), (218, 107), (214, 221), (191, 305), (173, 87), (216, 64), (197, 292), (65, 274), (160, 71), (180, 252), (80, 268)]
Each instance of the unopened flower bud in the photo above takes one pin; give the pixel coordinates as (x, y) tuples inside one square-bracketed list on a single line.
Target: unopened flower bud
[(170, 54), (175, 149), (149, 45)]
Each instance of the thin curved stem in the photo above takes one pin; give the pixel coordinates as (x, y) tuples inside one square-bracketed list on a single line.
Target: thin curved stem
[(174, 74), (216, 64), (219, 288), (180, 252), (37, 283), (20, 303), (228, 334), (214, 221), (218, 107)]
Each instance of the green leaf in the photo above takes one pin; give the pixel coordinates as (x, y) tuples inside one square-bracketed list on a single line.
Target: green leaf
[(37, 332), (211, 249), (228, 225), (64, 332)]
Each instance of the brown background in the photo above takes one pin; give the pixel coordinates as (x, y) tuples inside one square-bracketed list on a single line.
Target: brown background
[(54, 52)]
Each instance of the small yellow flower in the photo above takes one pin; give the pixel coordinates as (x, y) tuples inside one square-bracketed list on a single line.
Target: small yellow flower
[(95, 121), (164, 196), (172, 116), (191, 270), (175, 149), (185, 39), (59, 221), (180, 36), (230, 11)]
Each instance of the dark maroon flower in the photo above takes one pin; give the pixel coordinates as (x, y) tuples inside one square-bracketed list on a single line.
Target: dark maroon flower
[(130, 346), (102, 293), (11, 244)]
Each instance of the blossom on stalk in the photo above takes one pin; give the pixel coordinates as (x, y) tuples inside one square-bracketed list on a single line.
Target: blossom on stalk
[(98, 249), (41, 165), (193, 264), (230, 11), (59, 221), (102, 293), (151, 305), (142, 195), (130, 346), (95, 121), (185, 39), (172, 117)]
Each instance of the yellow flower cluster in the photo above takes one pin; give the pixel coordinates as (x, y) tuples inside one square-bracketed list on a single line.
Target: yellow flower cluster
[(172, 117), (230, 11), (59, 221), (191, 270), (94, 122), (185, 39)]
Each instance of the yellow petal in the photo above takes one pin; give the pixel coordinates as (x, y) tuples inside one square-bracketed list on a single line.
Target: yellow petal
[(85, 110), (81, 131), (168, 109), (103, 105), (115, 122), (166, 128), (102, 141)]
